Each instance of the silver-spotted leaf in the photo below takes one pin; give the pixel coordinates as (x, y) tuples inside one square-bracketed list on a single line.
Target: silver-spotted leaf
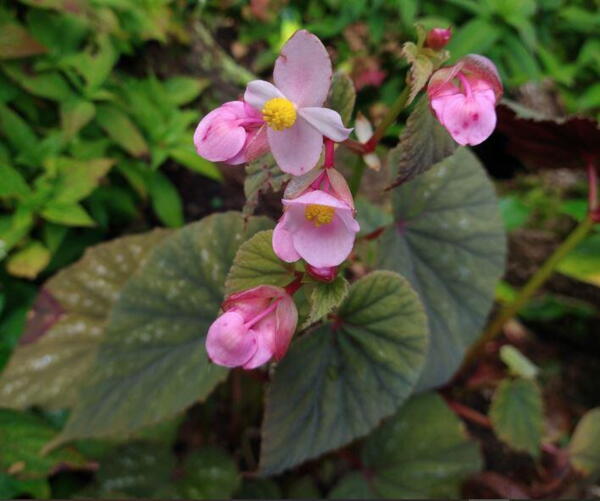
[(449, 242), (421, 452), (256, 264), (423, 143), (262, 175), (517, 414), (62, 337), (152, 362), (208, 473), (337, 382)]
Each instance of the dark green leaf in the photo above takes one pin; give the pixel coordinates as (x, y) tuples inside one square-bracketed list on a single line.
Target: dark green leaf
[(13, 184), (324, 297), (342, 96), (517, 414), (154, 342), (448, 240), (421, 452), (209, 473), (262, 175), (16, 42), (353, 373), (584, 448), (423, 143), (352, 486), (49, 371)]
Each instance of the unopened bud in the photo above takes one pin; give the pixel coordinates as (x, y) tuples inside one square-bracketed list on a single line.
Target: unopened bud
[(438, 38)]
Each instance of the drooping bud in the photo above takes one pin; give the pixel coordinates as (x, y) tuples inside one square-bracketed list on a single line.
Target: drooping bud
[(438, 38), (234, 133), (256, 326), (464, 96), (326, 274)]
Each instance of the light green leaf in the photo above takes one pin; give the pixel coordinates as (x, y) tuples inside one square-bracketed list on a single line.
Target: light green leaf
[(74, 115), (371, 217), (154, 341), (13, 184), (342, 96), (324, 297), (69, 214), (517, 414), (208, 473), (518, 364), (16, 42), (17, 132), (189, 158), (29, 261), (353, 373), (421, 452), (262, 175), (477, 35), (50, 371), (423, 143), (49, 84), (256, 264), (584, 448), (182, 90), (23, 436), (583, 262), (122, 130), (448, 240), (76, 179), (166, 201)]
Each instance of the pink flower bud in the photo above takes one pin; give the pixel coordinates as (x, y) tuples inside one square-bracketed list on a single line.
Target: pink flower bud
[(256, 326), (326, 274), (234, 133), (464, 96), (438, 38), (318, 226)]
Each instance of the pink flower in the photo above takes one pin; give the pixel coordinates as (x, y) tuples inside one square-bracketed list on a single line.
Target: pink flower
[(438, 38), (257, 325), (234, 133), (326, 274), (292, 108), (317, 227), (464, 98)]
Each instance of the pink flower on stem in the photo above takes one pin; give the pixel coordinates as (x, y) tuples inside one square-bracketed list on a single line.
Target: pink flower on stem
[(464, 96), (234, 133), (438, 38), (319, 225), (292, 108), (256, 326)]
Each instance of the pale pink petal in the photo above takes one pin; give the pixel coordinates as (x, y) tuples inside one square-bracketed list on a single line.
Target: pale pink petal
[(282, 243), (340, 187), (256, 143), (328, 122), (303, 70), (228, 342), (481, 68), (326, 245), (258, 92), (251, 302), (362, 128), (348, 219), (316, 197), (468, 120), (218, 137), (297, 149), (264, 351)]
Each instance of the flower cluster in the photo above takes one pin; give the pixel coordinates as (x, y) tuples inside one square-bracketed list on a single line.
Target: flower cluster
[(318, 224)]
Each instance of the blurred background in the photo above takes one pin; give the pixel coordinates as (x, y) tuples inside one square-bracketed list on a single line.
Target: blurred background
[(99, 100)]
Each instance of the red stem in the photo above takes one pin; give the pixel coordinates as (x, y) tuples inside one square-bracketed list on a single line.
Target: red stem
[(295, 284), (469, 414), (593, 209), (329, 153)]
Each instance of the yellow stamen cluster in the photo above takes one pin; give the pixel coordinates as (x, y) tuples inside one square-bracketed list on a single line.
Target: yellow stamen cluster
[(319, 214), (279, 113)]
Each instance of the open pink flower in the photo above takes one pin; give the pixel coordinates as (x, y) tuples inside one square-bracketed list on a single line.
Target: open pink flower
[(234, 133), (317, 227), (464, 98), (292, 108), (257, 325)]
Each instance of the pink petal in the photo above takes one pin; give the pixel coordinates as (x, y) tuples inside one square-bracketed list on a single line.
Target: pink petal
[(303, 70), (286, 315), (264, 351), (218, 137), (282, 242), (482, 68), (326, 245), (328, 122), (256, 144), (340, 187), (297, 149), (316, 197), (258, 92), (228, 342), (468, 120)]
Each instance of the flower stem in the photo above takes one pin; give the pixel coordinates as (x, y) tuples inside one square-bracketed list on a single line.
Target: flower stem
[(534, 283), (389, 119)]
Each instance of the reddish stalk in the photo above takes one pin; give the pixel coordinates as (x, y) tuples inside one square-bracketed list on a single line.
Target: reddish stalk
[(329, 153), (469, 414)]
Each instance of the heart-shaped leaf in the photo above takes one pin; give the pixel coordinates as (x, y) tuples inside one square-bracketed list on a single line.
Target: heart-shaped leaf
[(209, 473), (423, 143), (449, 241), (152, 362), (517, 414), (421, 452), (337, 382), (584, 448), (66, 327)]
